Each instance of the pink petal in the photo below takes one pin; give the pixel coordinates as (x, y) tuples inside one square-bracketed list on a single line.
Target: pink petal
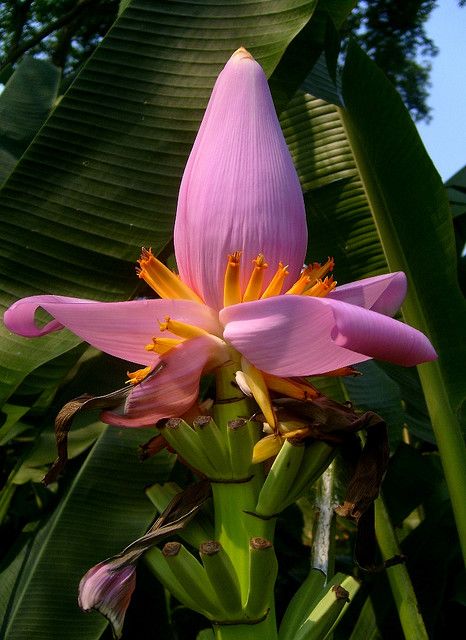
[(240, 191), (121, 329), (301, 335), (384, 294), (175, 389), (108, 591)]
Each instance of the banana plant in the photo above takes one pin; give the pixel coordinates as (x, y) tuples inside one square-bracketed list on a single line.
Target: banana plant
[(100, 180)]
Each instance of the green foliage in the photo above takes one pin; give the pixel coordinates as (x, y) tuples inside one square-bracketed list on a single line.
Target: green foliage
[(25, 102), (99, 514), (101, 179)]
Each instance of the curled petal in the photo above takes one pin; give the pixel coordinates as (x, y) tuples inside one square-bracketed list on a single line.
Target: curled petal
[(175, 389), (300, 335), (121, 329), (240, 191), (108, 588), (384, 294)]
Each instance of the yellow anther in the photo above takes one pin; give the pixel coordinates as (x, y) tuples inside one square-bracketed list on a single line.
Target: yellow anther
[(290, 387), (276, 284), (256, 383), (254, 288), (321, 288), (317, 271), (299, 286), (266, 448), (231, 288), (163, 345), (135, 377), (182, 329), (163, 281)]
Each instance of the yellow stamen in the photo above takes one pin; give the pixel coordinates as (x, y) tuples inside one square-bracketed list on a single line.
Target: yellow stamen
[(321, 288), (317, 271), (163, 281), (300, 285), (254, 288), (255, 381), (276, 284), (266, 448), (135, 377), (290, 387), (182, 329), (231, 287), (162, 345)]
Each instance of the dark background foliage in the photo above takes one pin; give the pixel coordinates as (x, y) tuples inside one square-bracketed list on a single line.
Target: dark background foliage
[(65, 32)]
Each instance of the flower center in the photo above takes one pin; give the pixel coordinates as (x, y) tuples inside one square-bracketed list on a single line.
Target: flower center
[(313, 280)]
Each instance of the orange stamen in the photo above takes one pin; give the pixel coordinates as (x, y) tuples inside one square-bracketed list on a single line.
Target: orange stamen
[(300, 285), (163, 281), (182, 329), (276, 284), (254, 287), (291, 387), (163, 345), (135, 377), (321, 288), (317, 271), (231, 287)]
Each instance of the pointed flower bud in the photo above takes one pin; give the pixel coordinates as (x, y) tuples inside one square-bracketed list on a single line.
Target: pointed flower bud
[(240, 191)]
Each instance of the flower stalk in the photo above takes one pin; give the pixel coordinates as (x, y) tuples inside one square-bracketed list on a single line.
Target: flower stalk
[(400, 582)]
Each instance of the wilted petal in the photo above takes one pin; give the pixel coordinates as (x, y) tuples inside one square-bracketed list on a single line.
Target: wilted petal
[(121, 329), (301, 335), (108, 588), (175, 389), (240, 191), (384, 294)]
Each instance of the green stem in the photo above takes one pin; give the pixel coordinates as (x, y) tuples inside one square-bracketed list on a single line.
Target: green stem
[(234, 527), (398, 576), (234, 507), (450, 442), (264, 630)]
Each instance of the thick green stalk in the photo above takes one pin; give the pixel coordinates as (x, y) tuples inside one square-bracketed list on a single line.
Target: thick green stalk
[(265, 630), (234, 507), (400, 582)]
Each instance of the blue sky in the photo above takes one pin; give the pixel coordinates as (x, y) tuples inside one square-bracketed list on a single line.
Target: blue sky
[(445, 136)]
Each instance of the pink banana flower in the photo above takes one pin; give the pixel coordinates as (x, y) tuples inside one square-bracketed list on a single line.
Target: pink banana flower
[(240, 243)]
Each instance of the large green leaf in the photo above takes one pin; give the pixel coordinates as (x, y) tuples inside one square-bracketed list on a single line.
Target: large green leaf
[(411, 210), (101, 178), (104, 509), (25, 103), (305, 49)]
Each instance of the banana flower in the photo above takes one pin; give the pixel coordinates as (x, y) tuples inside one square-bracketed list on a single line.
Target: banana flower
[(242, 290)]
